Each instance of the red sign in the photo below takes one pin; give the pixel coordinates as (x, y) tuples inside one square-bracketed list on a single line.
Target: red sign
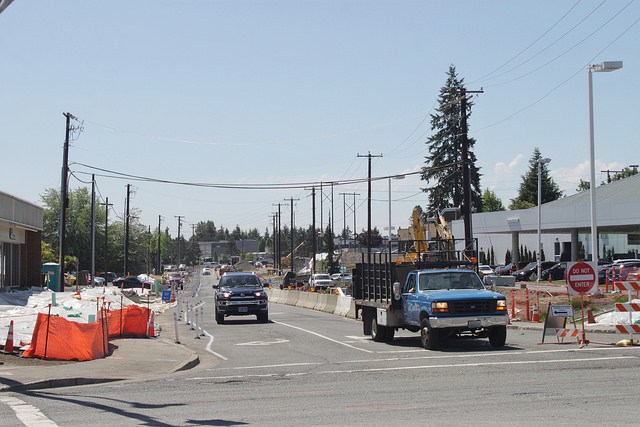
[(581, 278)]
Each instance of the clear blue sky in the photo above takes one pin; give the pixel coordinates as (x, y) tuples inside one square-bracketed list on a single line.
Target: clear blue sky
[(275, 92)]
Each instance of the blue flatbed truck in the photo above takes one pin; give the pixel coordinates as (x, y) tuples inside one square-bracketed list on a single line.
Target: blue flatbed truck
[(438, 298)]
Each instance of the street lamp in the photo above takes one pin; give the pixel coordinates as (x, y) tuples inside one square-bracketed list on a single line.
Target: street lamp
[(391, 177), (541, 162), (595, 68)]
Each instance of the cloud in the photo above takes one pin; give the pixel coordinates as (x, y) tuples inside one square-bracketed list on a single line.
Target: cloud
[(569, 178)]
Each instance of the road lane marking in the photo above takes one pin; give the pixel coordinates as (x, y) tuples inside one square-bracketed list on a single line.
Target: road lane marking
[(28, 414), (428, 356), (210, 343), (278, 341), (407, 368), (322, 336), (475, 365), (281, 365)]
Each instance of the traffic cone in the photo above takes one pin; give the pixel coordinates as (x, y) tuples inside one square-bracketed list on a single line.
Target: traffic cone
[(8, 346), (536, 316), (173, 296), (590, 318), (77, 295), (151, 327)]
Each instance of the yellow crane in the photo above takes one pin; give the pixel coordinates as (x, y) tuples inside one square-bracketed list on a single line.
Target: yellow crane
[(286, 261)]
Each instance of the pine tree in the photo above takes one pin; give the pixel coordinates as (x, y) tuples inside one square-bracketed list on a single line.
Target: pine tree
[(528, 191), (444, 161)]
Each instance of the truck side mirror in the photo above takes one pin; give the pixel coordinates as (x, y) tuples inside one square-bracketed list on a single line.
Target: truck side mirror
[(397, 293)]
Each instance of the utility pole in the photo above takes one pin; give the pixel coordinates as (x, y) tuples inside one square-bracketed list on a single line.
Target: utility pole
[(64, 199), (352, 209), (179, 224), (278, 254), (159, 255), (292, 236), (126, 233), (273, 238), (93, 228), (106, 204), (369, 156), (313, 227), (193, 242), (466, 174), (148, 250)]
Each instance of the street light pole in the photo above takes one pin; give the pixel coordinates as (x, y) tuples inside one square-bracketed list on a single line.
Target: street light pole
[(539, 257), (597, 68)]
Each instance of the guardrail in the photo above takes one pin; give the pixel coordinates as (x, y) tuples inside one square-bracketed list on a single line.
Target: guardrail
[(328, 303)]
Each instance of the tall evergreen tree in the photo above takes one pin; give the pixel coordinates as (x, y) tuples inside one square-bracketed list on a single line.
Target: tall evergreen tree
[(444, 161), (528, 191)]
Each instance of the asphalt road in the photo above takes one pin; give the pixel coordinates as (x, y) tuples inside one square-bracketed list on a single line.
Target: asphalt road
[(311, 368)]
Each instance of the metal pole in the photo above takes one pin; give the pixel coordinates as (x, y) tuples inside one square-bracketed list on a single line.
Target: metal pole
[(389, 242), (592, 189), (539, 257), (93, 228), (159, 257)]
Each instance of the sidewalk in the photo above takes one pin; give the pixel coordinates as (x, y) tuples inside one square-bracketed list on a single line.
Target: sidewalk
[(131, 358)]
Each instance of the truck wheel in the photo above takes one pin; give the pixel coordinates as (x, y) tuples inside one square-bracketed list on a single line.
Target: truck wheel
[(219, 318), (263, 317), (378, 332), (430, 337), (497, 335), (389, 334)]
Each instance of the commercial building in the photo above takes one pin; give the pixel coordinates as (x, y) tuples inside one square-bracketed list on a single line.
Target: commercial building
[(20, 239), (566, 225)]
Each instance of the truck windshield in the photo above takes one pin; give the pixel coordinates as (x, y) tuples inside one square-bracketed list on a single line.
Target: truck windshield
[(449, 280), (247, 281)]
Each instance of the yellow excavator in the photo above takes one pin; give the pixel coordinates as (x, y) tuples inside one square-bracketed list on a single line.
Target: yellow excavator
[(438, 248)]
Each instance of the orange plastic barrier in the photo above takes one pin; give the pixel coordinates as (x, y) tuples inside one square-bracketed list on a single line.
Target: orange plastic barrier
[(129, 322), (66, 340)]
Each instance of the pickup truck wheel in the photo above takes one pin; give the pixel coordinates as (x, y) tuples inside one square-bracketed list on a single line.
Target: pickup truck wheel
[(497, 335), (219, 318), (430, 337), (263, 317)]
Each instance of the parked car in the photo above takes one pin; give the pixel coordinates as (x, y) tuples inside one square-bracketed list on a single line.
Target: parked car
[(341, 277), (109, 276), (605, 270), (485, 270), (504, 270), (530, 271), (623, 268), (320, 282), (557, 272), (240, 294), (98, 281), (130, 282)]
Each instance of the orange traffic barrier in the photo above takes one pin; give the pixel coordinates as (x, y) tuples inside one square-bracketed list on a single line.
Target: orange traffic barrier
[(151, 328), (535, 317), (8, 345)]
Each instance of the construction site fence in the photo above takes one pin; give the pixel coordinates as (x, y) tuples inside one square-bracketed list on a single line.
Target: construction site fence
[(55, 337)]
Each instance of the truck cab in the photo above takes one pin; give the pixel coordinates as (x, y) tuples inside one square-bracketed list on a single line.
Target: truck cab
[(444, 302)]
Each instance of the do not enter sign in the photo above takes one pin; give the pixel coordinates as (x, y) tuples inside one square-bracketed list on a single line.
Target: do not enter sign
[(581, 278)]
